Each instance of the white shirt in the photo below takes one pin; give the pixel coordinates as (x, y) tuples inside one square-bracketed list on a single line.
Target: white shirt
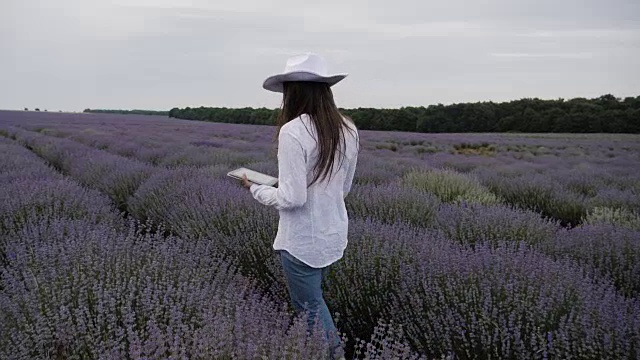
[(313, 221)]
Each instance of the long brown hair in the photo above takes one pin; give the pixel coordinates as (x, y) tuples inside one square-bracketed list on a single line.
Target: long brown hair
[(316, 100)]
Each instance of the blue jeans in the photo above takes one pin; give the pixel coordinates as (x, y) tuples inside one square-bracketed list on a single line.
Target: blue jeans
[(305, 289)]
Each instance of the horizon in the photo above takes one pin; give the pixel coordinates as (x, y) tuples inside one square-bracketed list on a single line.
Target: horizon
[(143, 54), (619, 98)]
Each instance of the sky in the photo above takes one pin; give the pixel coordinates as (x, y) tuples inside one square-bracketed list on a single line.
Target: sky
[(157, 54)]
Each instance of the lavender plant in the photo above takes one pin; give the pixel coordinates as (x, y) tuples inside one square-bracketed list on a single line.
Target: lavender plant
[(604, 249), (203, 203), (616, 198), (379, 170), (436, 266), (615, 216), (538, 193), (113, 175), (34, 190), (451, 186), (205, 156), (26, 199), (387, 342), (361, 284), (497, 224), (193, 201), (19, 163), (392, 203), (80, 290), (510, 303)]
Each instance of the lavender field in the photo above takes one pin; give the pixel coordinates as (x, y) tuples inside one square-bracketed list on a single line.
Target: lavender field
[(122, 238)]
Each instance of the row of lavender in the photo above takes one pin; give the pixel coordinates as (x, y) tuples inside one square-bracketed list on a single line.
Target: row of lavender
[(537, 191), (571, 179), (188, 198), (78, 281), (459, 310)]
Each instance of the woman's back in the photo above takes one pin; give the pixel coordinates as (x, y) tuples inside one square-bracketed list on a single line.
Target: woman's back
[(304, 129), (313, 219)]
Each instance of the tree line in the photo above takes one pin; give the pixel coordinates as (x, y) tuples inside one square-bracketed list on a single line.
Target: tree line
[(604, 114)]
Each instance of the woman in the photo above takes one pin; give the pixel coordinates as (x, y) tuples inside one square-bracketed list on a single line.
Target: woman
[(317, 155)]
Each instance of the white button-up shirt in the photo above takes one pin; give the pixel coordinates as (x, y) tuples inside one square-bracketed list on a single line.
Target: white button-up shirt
[(313, 221)]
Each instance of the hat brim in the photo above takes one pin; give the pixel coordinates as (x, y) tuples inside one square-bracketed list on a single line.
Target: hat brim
[(275, 83)]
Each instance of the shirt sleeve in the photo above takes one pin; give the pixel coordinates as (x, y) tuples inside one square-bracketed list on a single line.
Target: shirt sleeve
[(292, 177)]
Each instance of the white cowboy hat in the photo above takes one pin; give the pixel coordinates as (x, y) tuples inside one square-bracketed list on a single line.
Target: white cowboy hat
[(304, 67)]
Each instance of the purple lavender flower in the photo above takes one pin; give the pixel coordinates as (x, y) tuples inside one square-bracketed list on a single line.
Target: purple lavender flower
[(127, 295), (607, 250), (497, 224), (193, 274)]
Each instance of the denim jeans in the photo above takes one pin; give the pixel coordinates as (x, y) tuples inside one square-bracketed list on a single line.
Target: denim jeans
[(305, 289)]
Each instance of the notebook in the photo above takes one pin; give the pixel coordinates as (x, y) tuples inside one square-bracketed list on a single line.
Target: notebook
[(253, 176)]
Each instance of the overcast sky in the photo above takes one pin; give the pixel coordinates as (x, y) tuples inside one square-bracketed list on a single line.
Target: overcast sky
[(157, 54)]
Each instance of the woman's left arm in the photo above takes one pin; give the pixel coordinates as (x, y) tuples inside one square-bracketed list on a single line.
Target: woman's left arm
[(292, 177)]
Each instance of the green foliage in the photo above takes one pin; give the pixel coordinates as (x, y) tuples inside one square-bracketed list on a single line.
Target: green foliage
[(392, 147), (547, 198), (451, 186), (428, 149), (615, 216), (475, 149), (605, 114), (261, 116)]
